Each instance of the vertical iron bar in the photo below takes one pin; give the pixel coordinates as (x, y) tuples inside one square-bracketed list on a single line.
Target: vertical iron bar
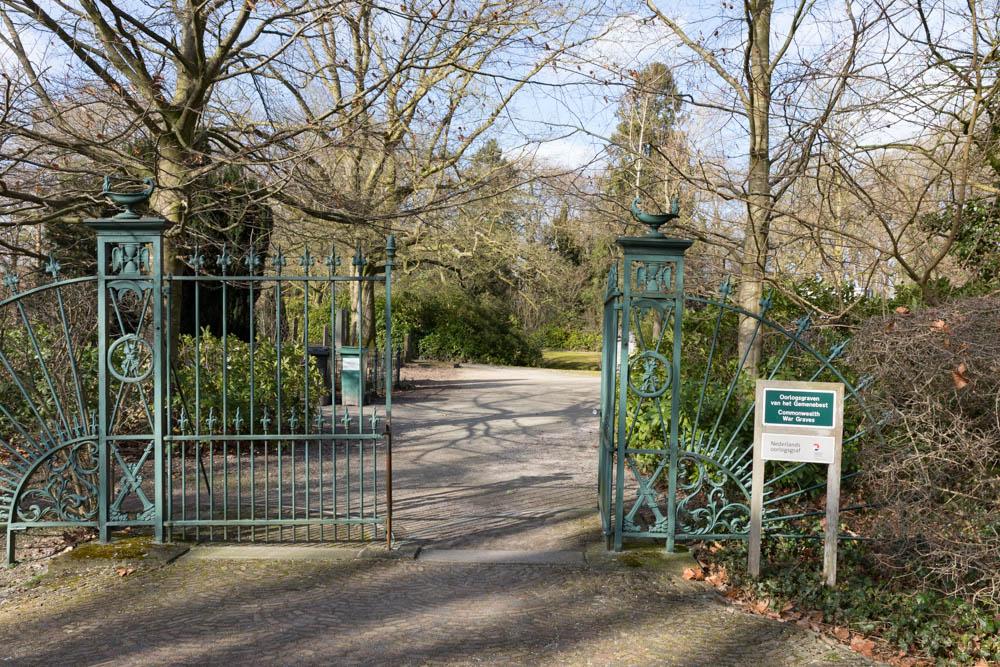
[(622, 404), (305, 387), (359, 262), (225, 404), (675, 401), (159, 371), (390, 254), (170, 342), (252, 444), (332, 261), (103, 479), (277, 388)]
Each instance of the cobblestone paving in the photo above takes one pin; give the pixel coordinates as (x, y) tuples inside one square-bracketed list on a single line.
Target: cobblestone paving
[(394, 612), (491, 459)]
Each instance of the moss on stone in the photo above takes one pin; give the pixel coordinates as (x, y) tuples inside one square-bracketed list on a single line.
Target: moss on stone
[(630, 559), (122, 549)]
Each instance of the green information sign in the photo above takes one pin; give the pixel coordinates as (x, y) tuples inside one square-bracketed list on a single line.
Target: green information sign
[(799, 407)]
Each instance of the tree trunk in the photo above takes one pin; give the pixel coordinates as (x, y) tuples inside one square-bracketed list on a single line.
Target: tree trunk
[(755, 242), (363, 293), (169, 202)]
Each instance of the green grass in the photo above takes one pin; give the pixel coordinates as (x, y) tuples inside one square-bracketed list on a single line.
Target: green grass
[(571, 361)]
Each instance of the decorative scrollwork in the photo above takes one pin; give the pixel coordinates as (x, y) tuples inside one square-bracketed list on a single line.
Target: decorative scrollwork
[(130, 483), (649, 374), (654, 277), (130, 358), (63, 488), (130, 260), (704, 505)]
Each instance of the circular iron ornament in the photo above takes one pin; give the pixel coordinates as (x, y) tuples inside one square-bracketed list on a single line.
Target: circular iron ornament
[(644, 376), (134, 362)]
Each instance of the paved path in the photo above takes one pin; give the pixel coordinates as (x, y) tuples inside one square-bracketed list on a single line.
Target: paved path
[(497, 458), (491, 459)]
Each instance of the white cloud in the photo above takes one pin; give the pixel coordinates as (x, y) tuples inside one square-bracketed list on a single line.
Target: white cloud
[(567, 153)]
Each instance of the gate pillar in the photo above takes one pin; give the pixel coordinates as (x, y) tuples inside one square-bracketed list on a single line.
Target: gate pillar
[(649, 367), (131, 372)]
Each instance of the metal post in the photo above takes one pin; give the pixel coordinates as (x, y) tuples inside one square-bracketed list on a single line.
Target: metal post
[(390, 254), (159, 384), (622, 434), (102, 392), (129, 257), (756, 489), (652, 277), (675, 397)]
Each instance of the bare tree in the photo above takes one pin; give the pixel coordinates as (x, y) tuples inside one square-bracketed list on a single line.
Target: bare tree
[(753, 71), (393, 156), (350, 112)]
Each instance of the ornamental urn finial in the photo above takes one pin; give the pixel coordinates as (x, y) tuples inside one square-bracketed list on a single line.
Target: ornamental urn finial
[(655, 220), (129, 196)]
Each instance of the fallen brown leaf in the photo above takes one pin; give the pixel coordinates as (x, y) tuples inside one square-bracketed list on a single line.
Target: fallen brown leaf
[(863, 646), (717, 579), (959, 378), (124, 571), (940, 325), (693, 574), (902, 310), (843, 634), (762, 606)]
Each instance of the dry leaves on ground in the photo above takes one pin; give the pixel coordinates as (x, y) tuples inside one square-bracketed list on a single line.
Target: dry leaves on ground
[(865, 647)]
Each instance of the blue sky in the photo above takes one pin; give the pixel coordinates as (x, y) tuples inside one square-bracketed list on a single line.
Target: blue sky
[(578, 118), (567, 115)]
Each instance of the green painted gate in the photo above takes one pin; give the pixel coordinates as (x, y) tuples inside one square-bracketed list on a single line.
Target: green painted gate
[(677, 405), (110, 418)]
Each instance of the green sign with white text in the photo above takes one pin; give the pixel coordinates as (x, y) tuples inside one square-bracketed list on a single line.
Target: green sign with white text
[(799, 407)]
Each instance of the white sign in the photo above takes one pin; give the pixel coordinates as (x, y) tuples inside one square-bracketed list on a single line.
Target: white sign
[(800, 422), (804, 448), (350, 364)]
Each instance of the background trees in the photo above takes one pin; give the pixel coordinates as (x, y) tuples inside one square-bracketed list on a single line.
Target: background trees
[(854, 143), (310, 114)]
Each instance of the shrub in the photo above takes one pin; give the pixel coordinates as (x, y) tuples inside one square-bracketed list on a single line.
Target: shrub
[(208, 357), (937, 477), (453, 326), (556, 337)]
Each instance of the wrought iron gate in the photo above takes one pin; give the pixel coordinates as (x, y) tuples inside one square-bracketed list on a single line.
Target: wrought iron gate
[(676, 427), (110, 417)]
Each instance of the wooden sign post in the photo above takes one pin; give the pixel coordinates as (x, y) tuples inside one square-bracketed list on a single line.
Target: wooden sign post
[(802, 422)]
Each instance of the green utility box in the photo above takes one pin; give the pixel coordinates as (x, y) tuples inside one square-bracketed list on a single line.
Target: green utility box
[(352, 384)]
